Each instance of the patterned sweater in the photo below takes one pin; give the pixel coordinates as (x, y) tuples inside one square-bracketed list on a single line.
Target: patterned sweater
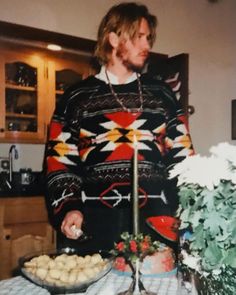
[(90, 147)]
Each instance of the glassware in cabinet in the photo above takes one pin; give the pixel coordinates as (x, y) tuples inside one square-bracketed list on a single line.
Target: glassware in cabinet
[(62, 73), (22, 99)]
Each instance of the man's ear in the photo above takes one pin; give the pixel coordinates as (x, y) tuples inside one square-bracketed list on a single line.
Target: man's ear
[(113, 39)]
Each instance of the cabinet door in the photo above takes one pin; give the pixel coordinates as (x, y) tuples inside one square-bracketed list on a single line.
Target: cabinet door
[(63, 73), (21, 100), (173, 70), (23, 231)]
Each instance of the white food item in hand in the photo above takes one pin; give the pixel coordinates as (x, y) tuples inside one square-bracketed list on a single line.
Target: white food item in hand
[(77, 231)]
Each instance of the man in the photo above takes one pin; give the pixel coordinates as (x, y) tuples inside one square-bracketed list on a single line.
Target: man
[(92, 135)]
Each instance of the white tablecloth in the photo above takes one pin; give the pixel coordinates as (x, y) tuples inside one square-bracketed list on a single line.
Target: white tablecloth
[(110, 284)]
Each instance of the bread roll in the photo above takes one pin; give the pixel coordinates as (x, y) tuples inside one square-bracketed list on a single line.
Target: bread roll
[(64, 269)]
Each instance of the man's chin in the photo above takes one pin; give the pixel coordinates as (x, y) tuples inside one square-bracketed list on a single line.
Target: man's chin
[(134, 67)]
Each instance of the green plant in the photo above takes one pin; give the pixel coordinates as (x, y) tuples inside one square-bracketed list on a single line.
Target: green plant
[(207, 191)]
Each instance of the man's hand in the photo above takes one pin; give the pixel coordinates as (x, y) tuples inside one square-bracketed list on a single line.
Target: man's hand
[(73, 220)]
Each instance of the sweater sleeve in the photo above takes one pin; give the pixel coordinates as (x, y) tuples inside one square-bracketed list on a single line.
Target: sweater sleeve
[(63, 166), (178, 143)]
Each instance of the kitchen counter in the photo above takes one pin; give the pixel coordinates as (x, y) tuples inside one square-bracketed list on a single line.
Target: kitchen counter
[(21, 192), (16, 189)]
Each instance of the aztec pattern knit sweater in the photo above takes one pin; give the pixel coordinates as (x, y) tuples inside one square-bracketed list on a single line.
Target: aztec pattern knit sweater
[(91, 141)]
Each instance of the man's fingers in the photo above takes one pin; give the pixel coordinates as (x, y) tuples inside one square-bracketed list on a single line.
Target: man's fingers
[(71, 225)]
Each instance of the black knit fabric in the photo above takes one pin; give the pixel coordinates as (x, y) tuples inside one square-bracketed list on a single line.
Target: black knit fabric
[(90, 149)]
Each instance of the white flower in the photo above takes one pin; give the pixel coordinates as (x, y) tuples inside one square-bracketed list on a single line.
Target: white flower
[(225, 151), (204, 171), (183, 166), (208, 214), (191, 261), (216, 272), (233, 177)]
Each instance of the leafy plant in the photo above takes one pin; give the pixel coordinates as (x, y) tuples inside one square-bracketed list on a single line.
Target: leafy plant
[(207, 191)]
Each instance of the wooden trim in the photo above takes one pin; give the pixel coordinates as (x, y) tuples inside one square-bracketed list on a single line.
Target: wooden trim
[(17, 31), (2, 101)]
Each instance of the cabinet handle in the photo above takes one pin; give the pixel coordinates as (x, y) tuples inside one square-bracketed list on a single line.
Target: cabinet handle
[(2, 129), (191, 110)]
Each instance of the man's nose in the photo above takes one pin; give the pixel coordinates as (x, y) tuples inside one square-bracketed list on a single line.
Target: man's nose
[(146, 44)]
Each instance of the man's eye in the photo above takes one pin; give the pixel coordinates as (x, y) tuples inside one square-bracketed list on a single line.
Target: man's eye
[(149, 39)]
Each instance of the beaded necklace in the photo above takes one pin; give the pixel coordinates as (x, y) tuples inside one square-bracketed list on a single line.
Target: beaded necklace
[(120, 101)]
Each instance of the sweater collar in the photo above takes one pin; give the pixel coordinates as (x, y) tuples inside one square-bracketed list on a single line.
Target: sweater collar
[(113, 78)]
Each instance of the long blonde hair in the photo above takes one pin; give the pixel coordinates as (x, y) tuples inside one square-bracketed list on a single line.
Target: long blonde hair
[(123, 19)]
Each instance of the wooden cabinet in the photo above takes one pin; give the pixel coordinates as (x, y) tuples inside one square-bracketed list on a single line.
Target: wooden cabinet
[(21, 97), (62, 73), (31, 81), (24, 228)]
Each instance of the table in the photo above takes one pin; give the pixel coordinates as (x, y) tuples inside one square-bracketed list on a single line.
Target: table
[(110, 284)]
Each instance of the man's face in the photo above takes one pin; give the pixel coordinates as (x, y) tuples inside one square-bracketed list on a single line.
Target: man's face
[(134, 53)]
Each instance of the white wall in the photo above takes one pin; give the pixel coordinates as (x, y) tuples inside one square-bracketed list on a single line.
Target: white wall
[(202, 29)]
